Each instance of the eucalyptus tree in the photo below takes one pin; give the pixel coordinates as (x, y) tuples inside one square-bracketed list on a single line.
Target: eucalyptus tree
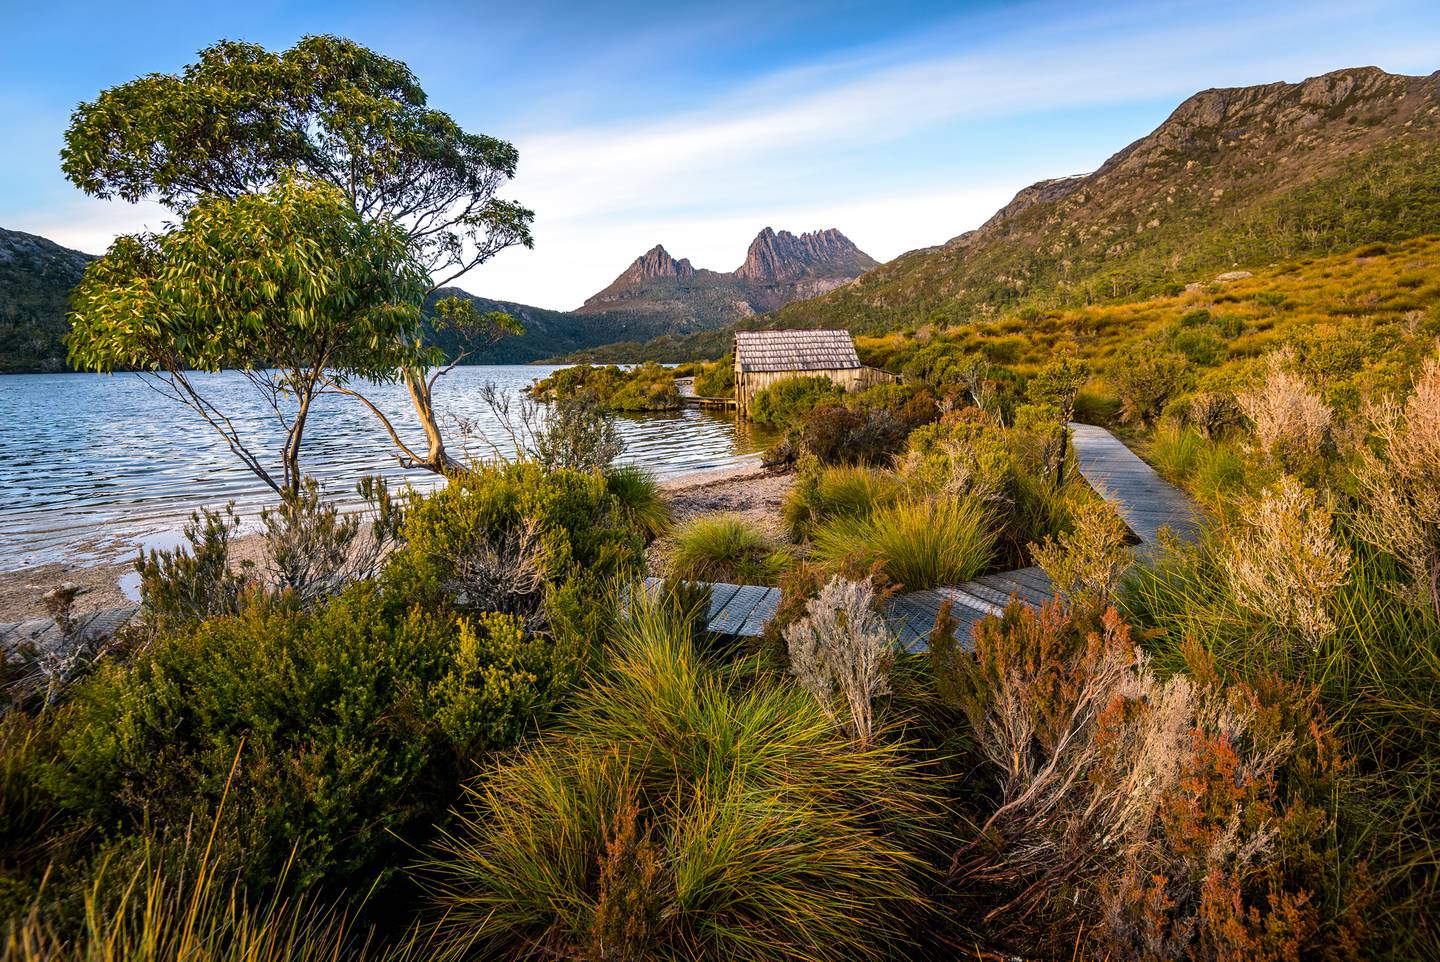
[(289, 286), (329, 110)]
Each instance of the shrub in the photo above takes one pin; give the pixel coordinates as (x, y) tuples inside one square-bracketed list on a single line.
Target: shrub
[(180, 586), (833, 434), (1145, 380), (1291, 422), (1400, 510), (312, 551), (823, 493), (489, 526), (1285, 562), (639, 500), (645, 387), (1086, 564), (841, 652), (1177, 817), (356, 721), (915, 543), (726, 549), (1213, 413), (679, 814), (577, 434), (718, 379), (787, 401)]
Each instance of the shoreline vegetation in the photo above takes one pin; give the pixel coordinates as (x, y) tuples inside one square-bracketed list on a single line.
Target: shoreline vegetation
[(458, 728)]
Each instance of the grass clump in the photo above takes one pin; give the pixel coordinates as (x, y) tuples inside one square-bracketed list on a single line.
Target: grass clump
[(725, 548), (820, 494), (638, 499), (678, 814), (915, 543)]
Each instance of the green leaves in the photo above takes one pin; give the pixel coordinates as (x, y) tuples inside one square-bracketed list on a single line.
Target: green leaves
[(243, 118), (292, 277)]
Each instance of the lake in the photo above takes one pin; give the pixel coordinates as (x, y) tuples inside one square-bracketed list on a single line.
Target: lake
[(93, 465)]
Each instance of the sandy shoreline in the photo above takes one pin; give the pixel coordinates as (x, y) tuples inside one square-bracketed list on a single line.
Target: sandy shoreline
[(746, 489)]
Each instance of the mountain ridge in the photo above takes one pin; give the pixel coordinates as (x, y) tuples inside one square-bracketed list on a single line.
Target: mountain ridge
[(38, 274), (779, 267), (1234, 177)]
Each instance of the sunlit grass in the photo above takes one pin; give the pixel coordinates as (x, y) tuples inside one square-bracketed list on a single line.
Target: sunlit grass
[(725, 548), (917, 543)]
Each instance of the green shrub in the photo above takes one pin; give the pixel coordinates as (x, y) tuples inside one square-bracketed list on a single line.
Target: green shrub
[(836, 434), (785, 402), (645, 387), (820, 494), (356, 722), (726, 549), (680, 814), (567, 524), (917, 544), (1145, 379), (718, 379)]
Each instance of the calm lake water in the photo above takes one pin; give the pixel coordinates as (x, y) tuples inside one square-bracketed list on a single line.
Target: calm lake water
[(93, 465)]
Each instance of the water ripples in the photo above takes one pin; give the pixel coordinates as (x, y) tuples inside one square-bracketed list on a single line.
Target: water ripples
[(93, 465)]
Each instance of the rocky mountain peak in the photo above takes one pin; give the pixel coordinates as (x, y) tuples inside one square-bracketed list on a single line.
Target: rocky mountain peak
[(779, 267), (657, 262), (777, 257)]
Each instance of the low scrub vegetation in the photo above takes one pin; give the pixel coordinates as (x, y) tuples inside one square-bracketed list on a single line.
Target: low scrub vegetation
[(644, 387), (728, 549), (463, 731)]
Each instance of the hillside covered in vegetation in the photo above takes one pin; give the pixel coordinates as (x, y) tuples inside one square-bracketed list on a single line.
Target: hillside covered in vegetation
[(1235, 178)]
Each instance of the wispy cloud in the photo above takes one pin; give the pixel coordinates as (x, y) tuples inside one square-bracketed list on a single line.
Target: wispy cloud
[(704, 180), (900, 143)]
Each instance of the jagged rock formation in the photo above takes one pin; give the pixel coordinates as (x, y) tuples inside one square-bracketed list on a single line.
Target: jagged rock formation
[(780, 267)]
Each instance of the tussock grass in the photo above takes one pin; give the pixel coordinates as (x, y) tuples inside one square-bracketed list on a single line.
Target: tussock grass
[(725, 548), (640, 499), (1175, 450), (837, 492), (917, 543), (733, 821)]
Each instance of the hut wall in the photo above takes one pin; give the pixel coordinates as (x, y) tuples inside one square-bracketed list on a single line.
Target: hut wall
[(750, 383)]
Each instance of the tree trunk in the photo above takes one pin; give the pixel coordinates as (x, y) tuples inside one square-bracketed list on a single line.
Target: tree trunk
[(437, 459)]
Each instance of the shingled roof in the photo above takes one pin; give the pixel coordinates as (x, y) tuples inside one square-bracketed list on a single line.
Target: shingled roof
[(795, 351)]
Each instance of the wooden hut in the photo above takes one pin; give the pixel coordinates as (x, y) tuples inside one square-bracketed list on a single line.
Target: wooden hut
[(765, 357)]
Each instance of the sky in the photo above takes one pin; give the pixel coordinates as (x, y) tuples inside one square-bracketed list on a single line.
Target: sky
[(696, 125)]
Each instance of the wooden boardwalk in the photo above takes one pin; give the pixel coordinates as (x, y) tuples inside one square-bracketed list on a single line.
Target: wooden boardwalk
[(1144, 500), (46, 636)]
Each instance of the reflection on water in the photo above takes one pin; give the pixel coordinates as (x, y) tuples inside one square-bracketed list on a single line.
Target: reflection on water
[(91, 465)]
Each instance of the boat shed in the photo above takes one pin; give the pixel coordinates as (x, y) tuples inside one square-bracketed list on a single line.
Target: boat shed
[(764, 357)]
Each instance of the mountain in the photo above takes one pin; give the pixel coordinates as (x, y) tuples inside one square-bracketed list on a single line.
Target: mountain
[(1235, 176), (36, 276), (674, 296), (655, 296)]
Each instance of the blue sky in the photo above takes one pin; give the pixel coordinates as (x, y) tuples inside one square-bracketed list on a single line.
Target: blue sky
[(694, 125)]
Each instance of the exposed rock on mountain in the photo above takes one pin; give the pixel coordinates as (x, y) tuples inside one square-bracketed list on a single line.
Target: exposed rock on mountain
[(779, 268), (36, 276)]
